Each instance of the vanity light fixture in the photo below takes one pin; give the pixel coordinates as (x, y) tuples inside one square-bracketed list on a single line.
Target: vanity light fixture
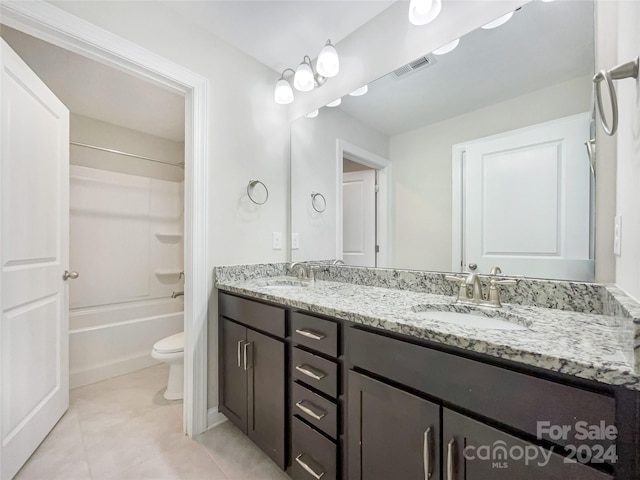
[(306, 77), (360, 91), (422, 12), (498, 21), (283, 93), (447, 48), (313, 114), (335, 103)]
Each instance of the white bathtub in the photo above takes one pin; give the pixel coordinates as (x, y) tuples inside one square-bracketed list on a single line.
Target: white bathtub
[(112, 340)]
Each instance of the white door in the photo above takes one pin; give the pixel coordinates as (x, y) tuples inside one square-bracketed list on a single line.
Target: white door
[(34, 251), (527, 201), (359, 218)]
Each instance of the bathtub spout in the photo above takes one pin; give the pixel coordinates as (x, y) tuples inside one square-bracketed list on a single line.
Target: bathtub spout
[(177, 294)]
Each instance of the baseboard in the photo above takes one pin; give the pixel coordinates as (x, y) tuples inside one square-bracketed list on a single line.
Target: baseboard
[(215, 418), (104, 372)]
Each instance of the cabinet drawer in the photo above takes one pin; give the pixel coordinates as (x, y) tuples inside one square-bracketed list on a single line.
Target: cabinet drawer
[(315, 371), (315, 409), (475, 450), (512, 398), (257, 315), (315, 333), (312, 456)]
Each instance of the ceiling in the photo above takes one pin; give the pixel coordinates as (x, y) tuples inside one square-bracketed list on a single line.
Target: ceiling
[(275, 33), (279, 33), (542, 45), (94, 90)]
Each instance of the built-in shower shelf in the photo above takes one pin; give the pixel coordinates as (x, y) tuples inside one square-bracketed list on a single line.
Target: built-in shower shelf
[(167, 237), (167, 272)]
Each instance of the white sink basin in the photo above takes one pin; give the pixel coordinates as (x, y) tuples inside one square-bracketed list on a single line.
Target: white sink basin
[(472, 320)]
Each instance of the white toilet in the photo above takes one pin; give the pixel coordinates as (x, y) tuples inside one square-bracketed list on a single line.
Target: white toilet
[(171, 351)]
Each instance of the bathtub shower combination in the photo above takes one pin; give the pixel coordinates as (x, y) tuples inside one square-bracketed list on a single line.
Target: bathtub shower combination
[(126, 243)]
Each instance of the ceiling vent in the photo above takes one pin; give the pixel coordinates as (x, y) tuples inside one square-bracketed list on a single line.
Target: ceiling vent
[(411, 67)]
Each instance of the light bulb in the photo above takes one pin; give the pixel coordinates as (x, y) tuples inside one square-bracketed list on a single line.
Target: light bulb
[(303, 79), (313, 114), (328, 63), (447, 48), (283, 93), (422, 12), (335, 103), (360, 91), (498, 21)]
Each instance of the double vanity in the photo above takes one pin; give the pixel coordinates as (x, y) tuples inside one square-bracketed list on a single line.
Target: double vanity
[(372, 374)]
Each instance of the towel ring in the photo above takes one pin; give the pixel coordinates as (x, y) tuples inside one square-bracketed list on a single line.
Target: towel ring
[(624, 70), (315, 196), (250, 187)]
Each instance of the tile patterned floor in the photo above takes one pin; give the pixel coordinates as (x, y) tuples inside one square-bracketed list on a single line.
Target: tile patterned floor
[(124, 429)]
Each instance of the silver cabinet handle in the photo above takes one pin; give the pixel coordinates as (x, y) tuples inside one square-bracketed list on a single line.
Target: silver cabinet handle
[(450, 459), (306, 466), (309, 410), (426, 453), (244, 348), (70, 275), (240, 353), (310, 334), (311, 372)]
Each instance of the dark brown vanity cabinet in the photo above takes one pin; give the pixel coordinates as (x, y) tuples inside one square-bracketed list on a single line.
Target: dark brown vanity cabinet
[(315, 402), (405, 420), (252, 372)]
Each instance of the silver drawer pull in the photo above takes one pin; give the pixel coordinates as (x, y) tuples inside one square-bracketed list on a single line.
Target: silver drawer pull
[(310, 334), (311, 372), (240, 353), (451, 469), (306, 466), (426, 453), (309, 410)]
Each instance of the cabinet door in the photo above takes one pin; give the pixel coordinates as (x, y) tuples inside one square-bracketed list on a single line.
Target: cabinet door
[(233, 377), (266, 420), (391, 433), (475, 451)]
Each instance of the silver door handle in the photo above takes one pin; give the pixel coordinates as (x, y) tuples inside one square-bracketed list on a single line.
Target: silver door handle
[(240, 353), (70, 275), (245, 355), (450, 459), (311, 372), (306, 466), (309, 410), (426, 453), (310, 334), (473, 266)]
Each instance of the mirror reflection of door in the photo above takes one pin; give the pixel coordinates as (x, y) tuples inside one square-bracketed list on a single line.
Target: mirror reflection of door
[(358, 214), (526, 201)]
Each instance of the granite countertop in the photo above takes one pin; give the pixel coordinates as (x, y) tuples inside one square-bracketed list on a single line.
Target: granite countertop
[(586, 345)]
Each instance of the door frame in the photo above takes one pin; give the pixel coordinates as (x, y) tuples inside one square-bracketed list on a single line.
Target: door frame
[(55, 26), (383, 208)]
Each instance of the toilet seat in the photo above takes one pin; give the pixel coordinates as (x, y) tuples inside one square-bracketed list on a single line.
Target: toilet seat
[(172, 344)]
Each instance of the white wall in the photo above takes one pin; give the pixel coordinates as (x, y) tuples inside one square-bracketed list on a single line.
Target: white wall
[(314, 169), (421, 160), (628, 151), (248, 134), (95, 132)]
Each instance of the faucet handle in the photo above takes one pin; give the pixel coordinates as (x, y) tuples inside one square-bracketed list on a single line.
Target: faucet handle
[(455, 278), (494, 292), (503, 282)]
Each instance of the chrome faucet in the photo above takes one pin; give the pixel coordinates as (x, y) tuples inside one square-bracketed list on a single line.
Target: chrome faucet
[(470, 290), (305, 271), (177, 294)]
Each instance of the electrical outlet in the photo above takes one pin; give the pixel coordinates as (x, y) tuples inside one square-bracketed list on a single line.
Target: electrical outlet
[(617, 235), (277, 241), (295, 241)]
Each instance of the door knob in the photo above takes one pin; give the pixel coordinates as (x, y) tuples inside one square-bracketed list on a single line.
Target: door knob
[(69, 275), (473, 266)]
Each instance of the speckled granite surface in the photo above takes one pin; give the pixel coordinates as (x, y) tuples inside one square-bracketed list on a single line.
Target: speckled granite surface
[(585, 330)]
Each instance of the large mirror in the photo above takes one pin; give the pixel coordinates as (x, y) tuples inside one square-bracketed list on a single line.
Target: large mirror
[(460, 161)]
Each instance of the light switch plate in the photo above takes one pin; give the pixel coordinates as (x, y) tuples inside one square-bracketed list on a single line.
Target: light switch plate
[(295, 241), (617, 235), (277, 240)]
